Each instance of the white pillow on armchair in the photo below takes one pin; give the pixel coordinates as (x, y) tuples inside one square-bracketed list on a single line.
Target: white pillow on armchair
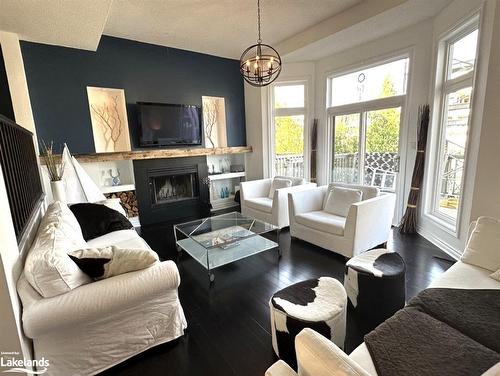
[(279, 183), (340, 199)]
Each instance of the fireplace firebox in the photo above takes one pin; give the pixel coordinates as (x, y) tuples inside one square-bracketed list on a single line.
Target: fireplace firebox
[(167, 188), (171, 189)]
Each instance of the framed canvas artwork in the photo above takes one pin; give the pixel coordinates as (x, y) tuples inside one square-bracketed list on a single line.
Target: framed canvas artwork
[(108, 114), (214, 121)]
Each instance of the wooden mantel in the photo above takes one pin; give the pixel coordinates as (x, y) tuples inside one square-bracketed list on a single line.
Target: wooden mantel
[(158, 154)]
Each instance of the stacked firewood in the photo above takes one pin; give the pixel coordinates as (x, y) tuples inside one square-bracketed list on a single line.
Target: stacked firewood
[(128, 200)]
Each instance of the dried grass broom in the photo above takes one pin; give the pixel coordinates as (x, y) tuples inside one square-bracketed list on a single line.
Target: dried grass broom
[(53, 162), (408, 224), (314, 150)]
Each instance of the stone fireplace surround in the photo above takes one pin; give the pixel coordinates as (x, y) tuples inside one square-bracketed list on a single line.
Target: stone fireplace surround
[(171, 189)]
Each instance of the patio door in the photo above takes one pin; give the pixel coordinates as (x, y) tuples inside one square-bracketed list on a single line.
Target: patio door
[(366, 149)]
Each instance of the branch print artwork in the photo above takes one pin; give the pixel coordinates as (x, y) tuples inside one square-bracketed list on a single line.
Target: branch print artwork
[(109, 119), (214, 122)]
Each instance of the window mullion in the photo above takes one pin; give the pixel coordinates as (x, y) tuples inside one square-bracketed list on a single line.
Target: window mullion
[(362, 146), (289, 111)]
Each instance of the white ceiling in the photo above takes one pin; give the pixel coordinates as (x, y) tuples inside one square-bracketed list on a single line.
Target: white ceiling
[(396, 18), (218, 27), (301, 29), (70, 23)]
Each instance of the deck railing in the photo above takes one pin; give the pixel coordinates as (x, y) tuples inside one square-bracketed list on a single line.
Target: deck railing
[(289, 165), (380, 170), (451, 180)]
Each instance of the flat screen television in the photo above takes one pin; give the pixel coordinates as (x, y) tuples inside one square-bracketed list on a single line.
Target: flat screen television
[(164, 124)]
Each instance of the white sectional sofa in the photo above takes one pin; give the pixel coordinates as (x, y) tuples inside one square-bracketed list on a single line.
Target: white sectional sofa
[(257, 203), (367, 224), (92, 326), (320, 357)]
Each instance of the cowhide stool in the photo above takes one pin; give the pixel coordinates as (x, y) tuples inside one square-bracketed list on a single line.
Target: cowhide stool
[(319, 304), (375, 286)]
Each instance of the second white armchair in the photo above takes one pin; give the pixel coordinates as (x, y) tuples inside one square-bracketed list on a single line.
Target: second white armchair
[(347, 225), (257, 200)]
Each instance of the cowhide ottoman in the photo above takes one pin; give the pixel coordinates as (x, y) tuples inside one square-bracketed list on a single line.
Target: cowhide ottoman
[(375, 286), (319, 304)]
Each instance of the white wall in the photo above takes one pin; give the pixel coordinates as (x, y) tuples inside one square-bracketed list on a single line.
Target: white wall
[(485, 199), (254, 132), (453, 241), (16, 77)]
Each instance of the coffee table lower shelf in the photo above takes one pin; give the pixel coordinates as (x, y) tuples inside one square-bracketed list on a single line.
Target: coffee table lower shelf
[(213, 258)]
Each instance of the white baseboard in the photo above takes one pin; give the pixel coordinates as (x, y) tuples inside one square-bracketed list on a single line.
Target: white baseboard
[(451, 251)]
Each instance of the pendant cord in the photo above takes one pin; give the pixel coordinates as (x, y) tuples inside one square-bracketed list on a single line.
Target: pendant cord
[(258, 18)]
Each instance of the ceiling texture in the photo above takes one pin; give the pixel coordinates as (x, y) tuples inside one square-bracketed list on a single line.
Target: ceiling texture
[(301, 29), (217, 27)]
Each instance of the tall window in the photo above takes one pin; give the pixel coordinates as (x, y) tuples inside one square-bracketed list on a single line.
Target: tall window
[(365, 115), (454, 90), (287, 134)]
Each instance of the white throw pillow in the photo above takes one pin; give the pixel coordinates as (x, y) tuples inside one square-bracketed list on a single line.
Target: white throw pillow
[(496, 275), (279, 183), (48, 268), (340, 200), (483, 247), (107, 262)]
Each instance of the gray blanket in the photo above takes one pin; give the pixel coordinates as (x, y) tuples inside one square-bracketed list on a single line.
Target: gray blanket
[(440, 332)]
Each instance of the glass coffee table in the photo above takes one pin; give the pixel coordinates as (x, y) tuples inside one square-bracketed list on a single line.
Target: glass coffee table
[(223, 239)]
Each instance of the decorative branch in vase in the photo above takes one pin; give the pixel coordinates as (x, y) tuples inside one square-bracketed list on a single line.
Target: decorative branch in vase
[(55, 169)]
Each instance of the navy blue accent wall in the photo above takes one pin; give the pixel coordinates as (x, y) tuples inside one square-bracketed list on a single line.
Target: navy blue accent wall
[(58, 78), (5, 99)]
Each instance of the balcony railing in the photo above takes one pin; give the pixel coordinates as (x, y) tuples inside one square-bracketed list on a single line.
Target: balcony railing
[(289, 165), (381, 170)]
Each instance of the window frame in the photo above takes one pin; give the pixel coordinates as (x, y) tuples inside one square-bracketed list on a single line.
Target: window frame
[(362, 108), (370, 105), (442, 88), (383, 60), (288, 111)]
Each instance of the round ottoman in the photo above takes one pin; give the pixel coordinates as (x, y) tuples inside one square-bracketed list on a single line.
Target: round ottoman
[(319, 304), (375, 286)]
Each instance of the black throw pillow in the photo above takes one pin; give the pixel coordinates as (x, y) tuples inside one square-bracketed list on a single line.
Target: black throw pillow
[(96, 220)]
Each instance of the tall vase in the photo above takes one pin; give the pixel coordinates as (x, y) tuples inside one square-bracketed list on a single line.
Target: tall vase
[(58, 191)]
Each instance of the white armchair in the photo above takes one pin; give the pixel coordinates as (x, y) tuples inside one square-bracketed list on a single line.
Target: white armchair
[(317, 356), (367, 224), (256, 203)]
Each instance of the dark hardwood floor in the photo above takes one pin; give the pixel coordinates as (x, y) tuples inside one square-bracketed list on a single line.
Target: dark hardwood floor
[(228, 325)]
